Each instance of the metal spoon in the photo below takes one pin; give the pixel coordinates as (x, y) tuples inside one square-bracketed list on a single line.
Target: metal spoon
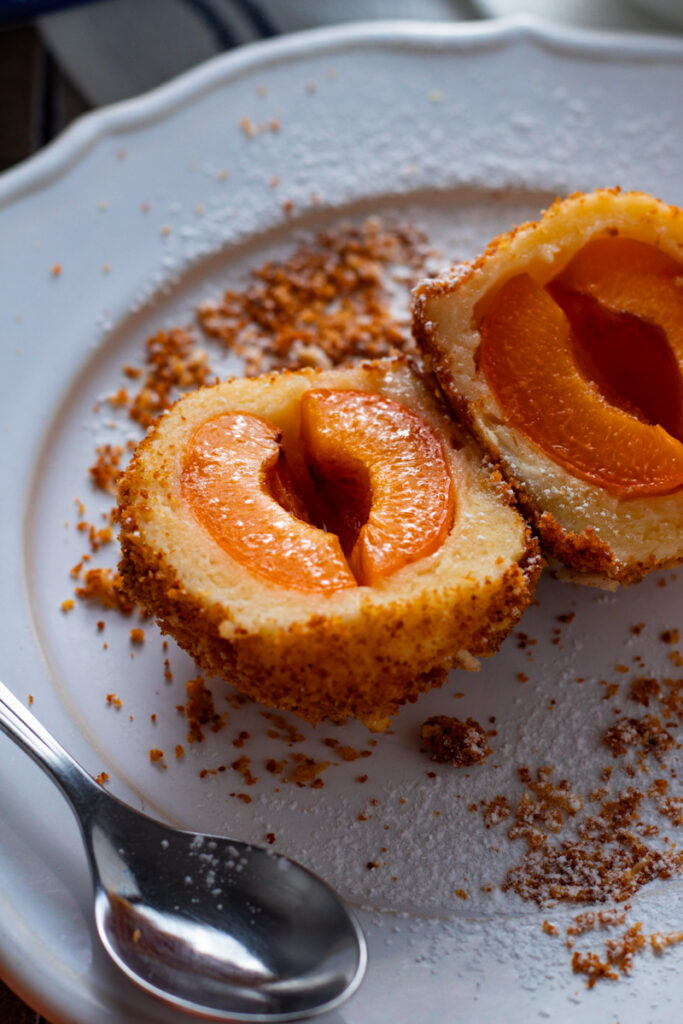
[(218, 928)]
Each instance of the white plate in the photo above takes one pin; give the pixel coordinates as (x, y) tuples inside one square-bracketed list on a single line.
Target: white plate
[(465, 130)]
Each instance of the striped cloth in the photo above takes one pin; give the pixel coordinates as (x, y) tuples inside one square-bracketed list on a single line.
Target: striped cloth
[(121, 48), (116, 49)]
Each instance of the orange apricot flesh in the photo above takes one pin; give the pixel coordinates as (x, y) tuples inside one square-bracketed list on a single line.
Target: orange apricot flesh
[(365, 442), (629, 358), (379, 495), (529, 357), (227, 482), (639, 292), (602, 257)]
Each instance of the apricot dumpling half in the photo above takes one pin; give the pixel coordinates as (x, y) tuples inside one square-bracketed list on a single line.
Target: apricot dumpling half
[(562, 350), (327, 542)]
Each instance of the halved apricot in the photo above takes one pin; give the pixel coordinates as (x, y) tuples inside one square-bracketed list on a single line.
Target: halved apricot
[(627, 356), (230, 474), (528, 357), (383, 459), (640, 289), (384, 496)]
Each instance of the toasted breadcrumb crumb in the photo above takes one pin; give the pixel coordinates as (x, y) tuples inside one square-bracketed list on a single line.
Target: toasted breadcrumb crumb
[(452, 741), (495, 810), (105, 471), (616, 959), (647, 735), (307, 771), (200, 710), (645, 689), (326, 305), (241, 765), (174, 363), (660, 941), (104, 587)]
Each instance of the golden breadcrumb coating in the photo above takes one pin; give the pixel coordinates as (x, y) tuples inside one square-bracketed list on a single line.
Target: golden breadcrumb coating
[(600, 537), (360, 651)]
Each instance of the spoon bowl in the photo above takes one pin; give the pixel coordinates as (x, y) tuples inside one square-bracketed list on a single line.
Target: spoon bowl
[(219, 928)]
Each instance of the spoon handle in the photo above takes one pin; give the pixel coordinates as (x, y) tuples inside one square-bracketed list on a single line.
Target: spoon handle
[(26, 731)]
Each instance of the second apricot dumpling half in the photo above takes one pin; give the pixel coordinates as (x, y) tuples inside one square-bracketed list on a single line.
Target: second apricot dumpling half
[(327, 542), (562, 349)]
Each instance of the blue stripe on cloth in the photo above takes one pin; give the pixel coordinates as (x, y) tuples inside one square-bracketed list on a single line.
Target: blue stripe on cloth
[(222, 33), (24, 10), (257, 17)]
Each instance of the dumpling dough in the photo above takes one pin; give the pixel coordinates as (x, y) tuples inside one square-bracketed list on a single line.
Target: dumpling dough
[(351, 649)]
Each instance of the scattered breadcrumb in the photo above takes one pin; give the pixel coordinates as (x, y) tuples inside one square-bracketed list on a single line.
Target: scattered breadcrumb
[(496, 810), (105, 471), (660, 941), (608, 850), (344, 751), (283, 729), (174, 364), (451, 741), (616, 958), (646, 735), (241, 765), (328, 304), (645, 689), (104, 587), (619, 953), (118, 399), (605, 860), (200, 710), (307, 771), (671, 807), (97, 536)]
